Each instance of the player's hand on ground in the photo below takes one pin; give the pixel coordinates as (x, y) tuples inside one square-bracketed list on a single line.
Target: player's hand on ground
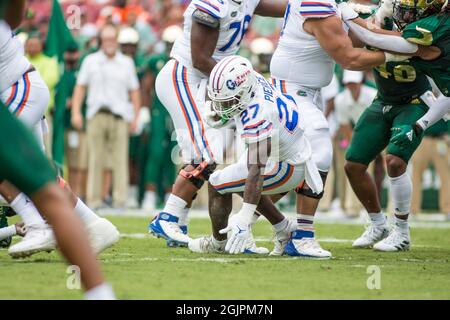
[(20, 229), (239, 227), (405, 135)]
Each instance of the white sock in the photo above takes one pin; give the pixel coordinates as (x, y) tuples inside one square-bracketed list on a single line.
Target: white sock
[(26, 210), (281, 225), (401, 224), (377, 218), (305, 222), (150, 197), (101, 292), (183, 220), (84, 212), (401, 190), (175, 206), (219, 243)]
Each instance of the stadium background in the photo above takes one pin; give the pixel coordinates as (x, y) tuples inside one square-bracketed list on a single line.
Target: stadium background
[(150, 18)]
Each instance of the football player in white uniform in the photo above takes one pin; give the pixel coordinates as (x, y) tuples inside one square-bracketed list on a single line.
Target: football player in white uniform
[(276, 161), (312, 39), (213, 29), (26, 95)]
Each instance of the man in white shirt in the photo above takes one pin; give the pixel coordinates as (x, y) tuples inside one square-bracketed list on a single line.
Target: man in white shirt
[(356, 97), (113, 101)]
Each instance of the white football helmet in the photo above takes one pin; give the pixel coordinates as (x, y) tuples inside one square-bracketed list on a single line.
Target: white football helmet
[(232, 85)]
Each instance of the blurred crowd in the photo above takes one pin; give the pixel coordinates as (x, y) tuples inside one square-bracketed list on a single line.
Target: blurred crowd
[(118, 142)]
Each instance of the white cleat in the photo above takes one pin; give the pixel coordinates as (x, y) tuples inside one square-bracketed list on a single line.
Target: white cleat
[(166, 226), (102, 234), (306, 247), (38, 238), (371, 235), (281, 238), (397, 240), (206, 245), (252, 248)]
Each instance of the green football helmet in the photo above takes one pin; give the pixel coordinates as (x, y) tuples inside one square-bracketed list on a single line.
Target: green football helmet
[(409, 11)]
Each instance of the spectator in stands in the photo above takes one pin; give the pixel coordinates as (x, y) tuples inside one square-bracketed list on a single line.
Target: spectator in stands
[(76, 151), (349, 105), (113, 101), (159, 169), (434, 149)]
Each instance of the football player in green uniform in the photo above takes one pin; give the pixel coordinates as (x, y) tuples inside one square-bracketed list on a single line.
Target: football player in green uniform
[(405, 126)]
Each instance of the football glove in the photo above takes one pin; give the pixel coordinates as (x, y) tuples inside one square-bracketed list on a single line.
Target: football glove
[(405, 135)]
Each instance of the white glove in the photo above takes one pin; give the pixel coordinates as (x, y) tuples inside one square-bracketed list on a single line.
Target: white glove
[(395, 57), (239, 225), (386, 10), (347, 13), (211, 117)]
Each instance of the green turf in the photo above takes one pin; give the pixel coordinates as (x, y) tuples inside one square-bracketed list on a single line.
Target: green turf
[(144, 268)]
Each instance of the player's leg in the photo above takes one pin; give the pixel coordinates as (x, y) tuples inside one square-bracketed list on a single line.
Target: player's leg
[(317, 132), (231, 180), (177, 88), (400, 182), (370, 137), (22, 163)]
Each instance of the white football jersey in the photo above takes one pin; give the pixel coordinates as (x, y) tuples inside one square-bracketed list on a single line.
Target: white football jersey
[(234, 18), (272, 114), (13, 63), (299, 58)]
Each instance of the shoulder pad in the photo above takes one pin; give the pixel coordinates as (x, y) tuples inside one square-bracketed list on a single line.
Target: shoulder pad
[(318, 9), (216, 8)]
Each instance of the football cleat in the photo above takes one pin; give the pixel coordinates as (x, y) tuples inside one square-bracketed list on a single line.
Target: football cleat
[(166, 226), (251, 248), (38, 238), (206, 245), (281, 238), (303, 244), (371, 235), (397, 240), (102, 234), (173, 244)]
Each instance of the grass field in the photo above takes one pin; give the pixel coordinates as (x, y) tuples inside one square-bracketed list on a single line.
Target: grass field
[(141, 267)]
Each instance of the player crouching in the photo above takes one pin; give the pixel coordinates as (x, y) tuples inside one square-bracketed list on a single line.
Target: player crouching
[(277, 160)]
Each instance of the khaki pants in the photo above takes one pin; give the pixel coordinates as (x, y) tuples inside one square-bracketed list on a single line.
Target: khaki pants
[(107, 144), (435, 151)]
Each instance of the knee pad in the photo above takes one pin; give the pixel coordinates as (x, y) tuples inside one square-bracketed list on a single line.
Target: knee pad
[(306, 191), (201, 170)]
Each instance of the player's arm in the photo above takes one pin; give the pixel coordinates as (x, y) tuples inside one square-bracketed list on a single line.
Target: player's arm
[(14, 13), (258, 154), (335, 41), (204, 36), (271, 8)]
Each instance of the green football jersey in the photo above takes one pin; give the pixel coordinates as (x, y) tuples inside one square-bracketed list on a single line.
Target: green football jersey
[(400, 82), (433, 31), (2, 8)]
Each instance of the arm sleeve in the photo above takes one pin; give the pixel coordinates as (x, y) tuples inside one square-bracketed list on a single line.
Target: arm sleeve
[(382, 41), (438, 108), (257, 131)]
